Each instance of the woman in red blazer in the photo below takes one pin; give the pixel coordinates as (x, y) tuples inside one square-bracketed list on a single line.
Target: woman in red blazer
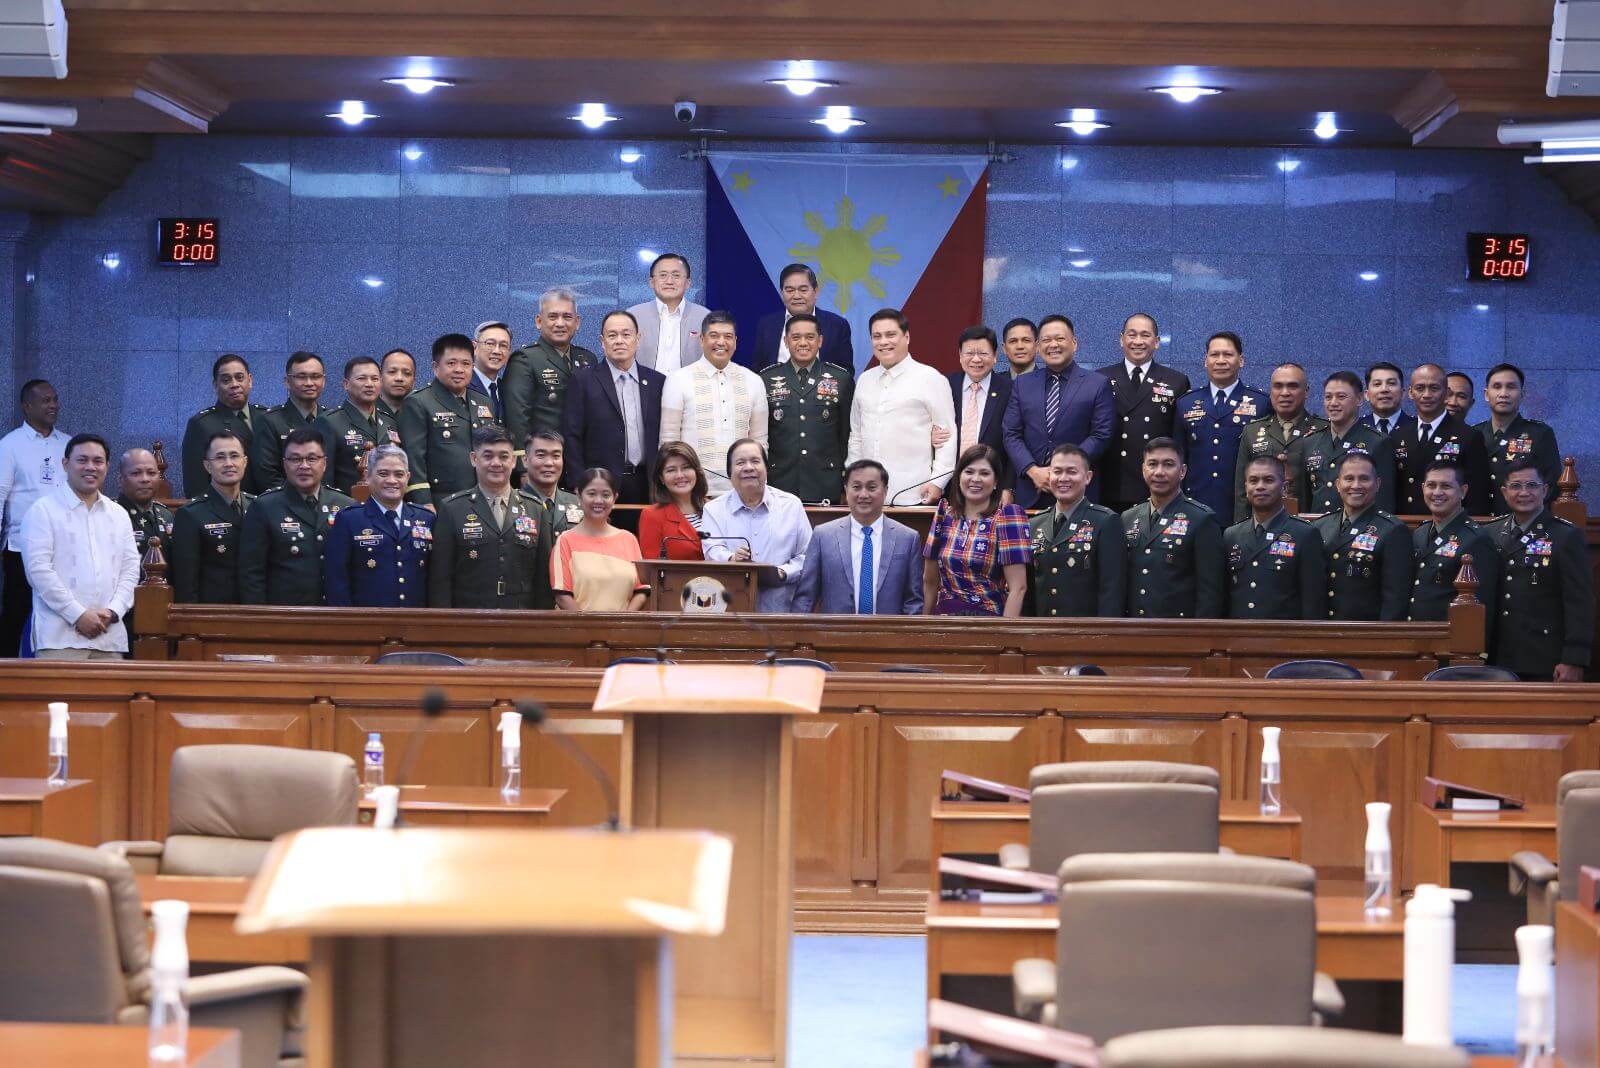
[(670, 528)]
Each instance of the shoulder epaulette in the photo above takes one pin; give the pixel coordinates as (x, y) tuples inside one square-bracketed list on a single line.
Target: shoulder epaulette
[(459, 494)]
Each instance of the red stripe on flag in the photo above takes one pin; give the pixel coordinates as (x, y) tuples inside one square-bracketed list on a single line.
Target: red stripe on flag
[(948, 297)]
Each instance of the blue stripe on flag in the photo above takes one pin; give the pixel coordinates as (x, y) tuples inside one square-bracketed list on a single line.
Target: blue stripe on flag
[(735, 279)]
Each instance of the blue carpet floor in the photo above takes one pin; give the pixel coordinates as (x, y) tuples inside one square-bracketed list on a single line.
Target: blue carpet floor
[(858, 1002)]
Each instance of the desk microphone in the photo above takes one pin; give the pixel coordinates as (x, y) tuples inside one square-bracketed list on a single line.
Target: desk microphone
[(695, 541), (533, 712), (918, 485), (732, 537), (433, 706)]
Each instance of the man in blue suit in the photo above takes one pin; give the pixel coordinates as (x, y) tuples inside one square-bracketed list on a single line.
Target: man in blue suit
[(797, 284), (980, 389), (612, 415), (377, 553), (1063, 404), (1211, 421), (864, 563)]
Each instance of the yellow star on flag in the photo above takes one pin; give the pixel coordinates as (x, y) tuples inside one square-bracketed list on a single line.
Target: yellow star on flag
[(741, 181), (950, 186)]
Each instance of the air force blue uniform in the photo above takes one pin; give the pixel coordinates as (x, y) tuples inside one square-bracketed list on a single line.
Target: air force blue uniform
[(1209, 433), (373, 562)]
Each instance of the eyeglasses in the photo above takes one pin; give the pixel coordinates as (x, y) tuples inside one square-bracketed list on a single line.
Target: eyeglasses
[(670, 276), (495, 346), (1524, 487), (302, 461), (308, 377)]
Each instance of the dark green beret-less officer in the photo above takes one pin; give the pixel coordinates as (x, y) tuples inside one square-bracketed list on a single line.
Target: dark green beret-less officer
[(808, 428), (1078, 561), (436, 431), (1276, 570), (1369, 564), (1175, 560), (1545, 614), (479, 563), (205, 556), (281, 545)]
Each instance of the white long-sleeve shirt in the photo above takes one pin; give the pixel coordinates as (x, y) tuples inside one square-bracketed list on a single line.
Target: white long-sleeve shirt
[(892, 421), (78, 556), (712, 409), (778, 531), (30, 464)]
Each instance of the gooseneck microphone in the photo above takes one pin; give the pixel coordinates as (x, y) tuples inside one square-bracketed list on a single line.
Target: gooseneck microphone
[(533, 712), (917, 485), (433, 706)]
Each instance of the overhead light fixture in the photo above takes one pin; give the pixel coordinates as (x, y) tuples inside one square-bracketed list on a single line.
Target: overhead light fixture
[(1369, 276), (803, 86), (593, 116), (1564, 157), (1563, 143), (1288, 166), (1186, 94), (1327, 126), (629, 154), (1083, 122), (352, 113), (1522, 133), (420, 86), (837, 119), (30, 131), (412, 153)]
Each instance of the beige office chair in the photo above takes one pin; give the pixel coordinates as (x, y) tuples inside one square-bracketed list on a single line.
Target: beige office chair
[(77, 950), (226, 803), (1272, 1047), (1577, 844), (1158, 940), (1117, 806)]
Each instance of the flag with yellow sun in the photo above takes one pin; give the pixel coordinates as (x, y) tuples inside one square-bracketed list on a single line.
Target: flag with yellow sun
[(879, 230)]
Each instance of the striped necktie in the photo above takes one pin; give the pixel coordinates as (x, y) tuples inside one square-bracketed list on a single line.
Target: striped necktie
[(1052, 406)]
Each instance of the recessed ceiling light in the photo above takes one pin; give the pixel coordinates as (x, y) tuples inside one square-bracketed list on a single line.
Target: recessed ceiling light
[(803, 86), (1186, 94), (420, 86), (707, 130), (837, 119), (1369, 276), (1327, 126), (1083, 121), (629, 154), (352, 113), (593, 116)]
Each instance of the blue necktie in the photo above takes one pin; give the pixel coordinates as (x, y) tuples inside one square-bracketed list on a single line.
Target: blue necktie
[(1052, 407), (499, 409), (864, 584)]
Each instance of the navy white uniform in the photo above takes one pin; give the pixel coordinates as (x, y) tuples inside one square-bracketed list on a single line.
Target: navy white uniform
[(1209, 433), (372, 561)]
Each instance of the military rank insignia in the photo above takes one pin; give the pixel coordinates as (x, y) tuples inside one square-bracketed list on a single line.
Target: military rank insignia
[(1282, 547)]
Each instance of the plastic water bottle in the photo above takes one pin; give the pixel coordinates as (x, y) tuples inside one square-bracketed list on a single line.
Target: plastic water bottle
[(58, 743), (169, 973), (511, 754), (1380, 862), (1430, 957), (1536, 1002), (372, 764), (1271, 772)]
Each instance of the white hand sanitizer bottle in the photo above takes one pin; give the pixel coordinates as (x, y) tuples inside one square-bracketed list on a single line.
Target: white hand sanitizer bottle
[(1536, 997), (1430, 957), (58, 743), (1271, 772), (511, 754), (1380, 862), (169, 973)]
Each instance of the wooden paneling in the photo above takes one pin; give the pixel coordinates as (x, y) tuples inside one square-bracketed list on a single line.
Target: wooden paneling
[(1145, 739), (235, 721), (827, 785), (451, 750), (546, 763), (97, 748), (1528, 758)]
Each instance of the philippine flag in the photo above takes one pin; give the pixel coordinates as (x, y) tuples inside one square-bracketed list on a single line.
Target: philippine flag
[(879, 231)]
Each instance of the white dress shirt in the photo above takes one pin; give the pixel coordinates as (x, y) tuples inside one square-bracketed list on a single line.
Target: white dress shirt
[(1222, 394), (778, 531), (668, 342), (713, 432), (857, 539), (891, 421), (1433, 427), (78, 556), (983, 402), (30, 464), (1144, 368)]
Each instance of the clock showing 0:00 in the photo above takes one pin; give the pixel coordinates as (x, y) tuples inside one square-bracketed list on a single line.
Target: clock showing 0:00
[(186, 242), (1498, 257)]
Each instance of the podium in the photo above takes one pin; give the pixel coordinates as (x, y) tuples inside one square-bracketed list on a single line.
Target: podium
[(490, 947), (711, 747), (704, 585)]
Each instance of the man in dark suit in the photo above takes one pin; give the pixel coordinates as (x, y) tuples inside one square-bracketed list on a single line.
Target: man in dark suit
[(1385, 385), (1146, 395), (1435, 434), (980, 391), (797, 284), (612, 417), (1064, 404)]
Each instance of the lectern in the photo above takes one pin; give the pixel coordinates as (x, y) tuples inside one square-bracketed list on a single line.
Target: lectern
[(704, 585), (492, 948), (711, 746)]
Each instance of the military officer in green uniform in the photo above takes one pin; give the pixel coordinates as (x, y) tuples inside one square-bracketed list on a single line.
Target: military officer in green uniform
[(356, 425), (281, 544), (490, 549), (399, 370), (1314, 456), (1273, 435), (1079, 562), (1368, 550), (808, 416), (437, 424), (534, 383), (1276, 565), (543, 460), (1439, 546), (1175, 557), (1544, 625), (150, 518), (233, 412), (1513, 438), (305, 377), (205, 532)]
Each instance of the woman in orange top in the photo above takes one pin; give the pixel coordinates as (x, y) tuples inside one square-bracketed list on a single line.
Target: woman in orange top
[(592, 566), (670, 528)]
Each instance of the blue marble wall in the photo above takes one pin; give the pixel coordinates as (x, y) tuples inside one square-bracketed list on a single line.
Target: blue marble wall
[(351, 245)]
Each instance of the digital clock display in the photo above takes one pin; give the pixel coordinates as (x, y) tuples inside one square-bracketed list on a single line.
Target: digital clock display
[(1498, 257), (186, 242)]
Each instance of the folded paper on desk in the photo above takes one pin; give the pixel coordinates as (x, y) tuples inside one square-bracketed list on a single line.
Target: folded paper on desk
[(954, 786), (1005, 1039), (1437, 793)]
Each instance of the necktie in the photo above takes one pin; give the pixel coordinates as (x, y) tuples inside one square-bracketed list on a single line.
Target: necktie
[(1052, 406), (628, 388), (969, 418), (499, 409), (499, 506), (864, 582), (1138, 377), (1261, 535), (1383, 427), (1424, 432), (394, 517)]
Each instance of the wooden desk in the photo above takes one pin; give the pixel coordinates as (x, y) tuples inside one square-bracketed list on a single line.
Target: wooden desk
[(50, 1045), (469, 806), (982, 827), (1577, 985), (34, 808), (1441, 837), (214, 905)]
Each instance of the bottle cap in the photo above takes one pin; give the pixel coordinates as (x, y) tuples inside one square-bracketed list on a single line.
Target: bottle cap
[(58, 719), (170, 950), (510, 730), (372, 736), (1378, 824), (1433, 900), (1269, 744), (1536, 944)]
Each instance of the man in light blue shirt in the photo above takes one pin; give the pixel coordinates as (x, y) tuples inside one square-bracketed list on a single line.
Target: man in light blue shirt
[(760, 523)]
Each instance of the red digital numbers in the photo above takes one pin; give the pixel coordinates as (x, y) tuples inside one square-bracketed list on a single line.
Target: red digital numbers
[(200, 252), (1502, 268), (1498, 257), (187, 242)]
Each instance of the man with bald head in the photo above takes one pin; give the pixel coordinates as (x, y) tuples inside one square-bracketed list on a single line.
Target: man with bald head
[(1437, 435), (138, 476)]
